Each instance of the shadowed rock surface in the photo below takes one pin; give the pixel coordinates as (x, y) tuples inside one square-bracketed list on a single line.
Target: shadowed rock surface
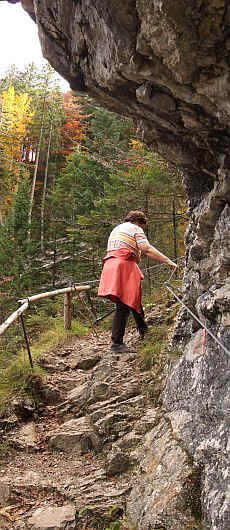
[(166, 64)]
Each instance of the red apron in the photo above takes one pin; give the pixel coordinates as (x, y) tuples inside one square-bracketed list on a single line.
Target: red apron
[(121, 278)]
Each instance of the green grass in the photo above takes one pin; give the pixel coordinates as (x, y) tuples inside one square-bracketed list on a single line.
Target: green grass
[(106, 324), (151, 349), (4, 448), (17, 373), (56, 334)]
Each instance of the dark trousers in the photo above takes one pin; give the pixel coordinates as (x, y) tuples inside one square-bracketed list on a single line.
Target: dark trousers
[(120, 321)]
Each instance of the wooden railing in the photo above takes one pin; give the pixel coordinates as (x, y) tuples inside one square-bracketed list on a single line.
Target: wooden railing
[(24, 304)]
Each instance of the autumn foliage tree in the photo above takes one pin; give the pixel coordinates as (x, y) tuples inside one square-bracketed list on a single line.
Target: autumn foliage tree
[(74, 127), (16, 116)]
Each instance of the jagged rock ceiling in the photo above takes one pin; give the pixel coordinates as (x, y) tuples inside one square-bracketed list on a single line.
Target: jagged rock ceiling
[(164, 63)]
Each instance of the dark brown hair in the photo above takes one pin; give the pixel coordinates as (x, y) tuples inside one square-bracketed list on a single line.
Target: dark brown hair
[(136, 215)]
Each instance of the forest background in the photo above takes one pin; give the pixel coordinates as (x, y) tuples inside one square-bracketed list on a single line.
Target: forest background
[(69, 172)]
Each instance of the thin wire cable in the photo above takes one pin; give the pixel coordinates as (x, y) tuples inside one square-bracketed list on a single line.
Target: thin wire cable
[(170, 289), (85, 309), (144, 270)]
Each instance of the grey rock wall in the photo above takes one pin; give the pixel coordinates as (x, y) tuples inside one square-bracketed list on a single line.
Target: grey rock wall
[(166, 64)]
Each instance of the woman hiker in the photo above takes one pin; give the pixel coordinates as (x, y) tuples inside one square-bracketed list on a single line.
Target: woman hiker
[(121, 277)]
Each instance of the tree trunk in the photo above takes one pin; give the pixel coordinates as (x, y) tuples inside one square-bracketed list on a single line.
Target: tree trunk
[(35, 174), (44, 188), (68, 310)]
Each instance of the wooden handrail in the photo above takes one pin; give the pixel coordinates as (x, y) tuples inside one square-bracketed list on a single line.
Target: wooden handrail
[(54, 293), (25, 302), (13, 317)]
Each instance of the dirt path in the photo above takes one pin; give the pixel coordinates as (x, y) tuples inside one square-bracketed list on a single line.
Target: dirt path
[(76, 448)]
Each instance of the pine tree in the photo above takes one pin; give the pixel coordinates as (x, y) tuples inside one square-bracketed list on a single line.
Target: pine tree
[(16, 257)]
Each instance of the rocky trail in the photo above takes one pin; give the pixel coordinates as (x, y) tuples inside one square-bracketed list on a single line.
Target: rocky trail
[(93, 447), (74, 449)]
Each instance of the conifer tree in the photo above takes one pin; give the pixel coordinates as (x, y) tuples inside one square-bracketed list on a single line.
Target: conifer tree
[(16, 257)]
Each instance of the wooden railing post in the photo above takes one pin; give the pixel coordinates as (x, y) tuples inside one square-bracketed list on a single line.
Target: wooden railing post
[(67, 305), (68, 309)]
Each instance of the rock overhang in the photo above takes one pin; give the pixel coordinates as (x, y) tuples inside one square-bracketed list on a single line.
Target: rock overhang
[(164, 64)]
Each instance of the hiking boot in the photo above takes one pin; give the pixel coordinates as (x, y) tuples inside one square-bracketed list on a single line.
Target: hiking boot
[(141, 336), (143, 333), (121, 348)]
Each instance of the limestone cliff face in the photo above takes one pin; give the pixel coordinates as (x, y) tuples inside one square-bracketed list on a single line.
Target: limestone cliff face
[(167, 63)]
